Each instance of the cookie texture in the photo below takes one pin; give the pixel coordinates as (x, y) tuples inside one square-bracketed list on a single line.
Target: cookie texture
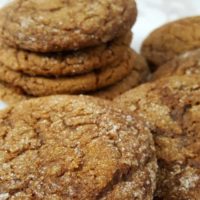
[(138, 75), (65, 63), (11, 95), (185, 64), (171, 40), (42, 86), (170, 107), (51, 26), (74, 147)]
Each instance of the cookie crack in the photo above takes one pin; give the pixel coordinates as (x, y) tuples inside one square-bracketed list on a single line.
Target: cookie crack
[(122, 175), (119, 176)]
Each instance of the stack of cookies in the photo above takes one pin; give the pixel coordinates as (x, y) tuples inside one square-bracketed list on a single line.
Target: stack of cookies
[(69, 47)]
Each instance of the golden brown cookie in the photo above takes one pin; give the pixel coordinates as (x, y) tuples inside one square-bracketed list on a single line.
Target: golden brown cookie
[(65, 63), (11, 95), (185, 64), (171, 40), (51, 26), (42, 86), (171, 108), (138, 75), (74, 147)]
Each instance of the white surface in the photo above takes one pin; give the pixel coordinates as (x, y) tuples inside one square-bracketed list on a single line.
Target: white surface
[(2, 105), (3, 2), (152, 14)]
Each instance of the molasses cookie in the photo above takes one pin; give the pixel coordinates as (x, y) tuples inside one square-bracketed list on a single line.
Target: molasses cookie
[(65, 63), (171, 108), (42, 86), (138, 75), (185, 64), (11, 95), (171, 40), (74, 147), (51, 26)]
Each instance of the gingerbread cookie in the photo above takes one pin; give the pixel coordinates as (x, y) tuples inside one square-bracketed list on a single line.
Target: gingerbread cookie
[(65, 63), (170, 107), (42, 86), (74, 147), (171, 40), (138, 75), (51, 26), (185, 64)]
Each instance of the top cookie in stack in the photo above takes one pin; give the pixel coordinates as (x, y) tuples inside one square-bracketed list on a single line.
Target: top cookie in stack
[(52, 26), (66, 47)]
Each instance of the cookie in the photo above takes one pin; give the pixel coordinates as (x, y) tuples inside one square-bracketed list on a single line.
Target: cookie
[(171, 40), (79, 148), (42, 86), (185, 64), (65, 25), (138, 75), (170, 107), (11, 95), (65, 63)]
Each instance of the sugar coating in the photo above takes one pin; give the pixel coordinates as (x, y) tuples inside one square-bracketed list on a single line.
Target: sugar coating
[(189, 181), (171, 40), (74, 147), (42, 26), (170, 108), (185, 64)]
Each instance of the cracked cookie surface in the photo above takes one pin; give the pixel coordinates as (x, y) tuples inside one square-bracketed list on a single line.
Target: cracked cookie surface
[(42, 86), (74, 147), (171, 108), (65, 63), (51, 26), (185, 64), (171, 40), (138, 75)]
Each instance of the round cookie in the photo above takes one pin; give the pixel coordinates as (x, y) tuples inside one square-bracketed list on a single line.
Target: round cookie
[(52, 26), (170, 107), (42, 86), (185, 64), (171, 40), (74, 147), (138, 75), (65, 63), (11, 95)]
